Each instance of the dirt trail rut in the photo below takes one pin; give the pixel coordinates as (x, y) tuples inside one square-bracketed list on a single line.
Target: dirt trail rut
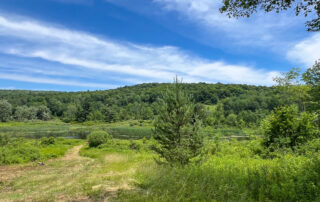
[(68, 178), (73, 154)]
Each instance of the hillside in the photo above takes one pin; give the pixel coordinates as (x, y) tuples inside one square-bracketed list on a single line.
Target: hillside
[(234, 104)]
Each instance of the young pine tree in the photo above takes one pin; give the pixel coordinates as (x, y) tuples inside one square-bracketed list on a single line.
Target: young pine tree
[(176, 127)]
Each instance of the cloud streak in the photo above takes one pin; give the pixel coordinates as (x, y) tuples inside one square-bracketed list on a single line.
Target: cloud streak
[(75, 51), (19, 77)]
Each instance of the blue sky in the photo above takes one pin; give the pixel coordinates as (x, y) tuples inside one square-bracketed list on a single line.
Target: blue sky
[(73, 45)]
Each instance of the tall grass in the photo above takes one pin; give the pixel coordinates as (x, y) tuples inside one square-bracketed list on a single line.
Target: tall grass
[(232, 171), (21, 150)]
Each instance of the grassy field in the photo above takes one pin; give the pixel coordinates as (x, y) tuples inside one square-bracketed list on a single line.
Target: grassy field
[(124, 170), (96, 174), (22, 150)]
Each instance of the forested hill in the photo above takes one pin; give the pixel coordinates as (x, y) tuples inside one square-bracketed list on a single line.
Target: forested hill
[(233, 104)]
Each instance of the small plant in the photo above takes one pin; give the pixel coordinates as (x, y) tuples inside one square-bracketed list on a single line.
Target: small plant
[(47, 140), (134, 146), (98, 137), (4, 139)]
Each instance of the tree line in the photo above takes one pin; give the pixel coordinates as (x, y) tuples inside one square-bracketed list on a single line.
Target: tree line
[(223, 104)]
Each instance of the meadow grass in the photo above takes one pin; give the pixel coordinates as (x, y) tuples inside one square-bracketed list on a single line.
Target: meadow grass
[(230, 171), (77, 177), (22, 150), (124, 170)]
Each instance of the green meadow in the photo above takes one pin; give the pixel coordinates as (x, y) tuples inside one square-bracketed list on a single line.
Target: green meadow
[(228, 169)]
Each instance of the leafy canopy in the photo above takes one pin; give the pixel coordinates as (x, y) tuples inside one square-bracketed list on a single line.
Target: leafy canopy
[(287, 128), (245, 8)]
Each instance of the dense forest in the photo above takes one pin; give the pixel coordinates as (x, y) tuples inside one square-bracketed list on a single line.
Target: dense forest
[(223, 104)]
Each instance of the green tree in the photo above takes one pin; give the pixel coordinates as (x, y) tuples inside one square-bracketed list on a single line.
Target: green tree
[(95, 116), (21, 113), (176, 127), (43, 113), (291, 89), (70, 114), (5, 110), (245, 8), (286, 128), (312, 78), (110, 114), (231, 120), (32, 114)]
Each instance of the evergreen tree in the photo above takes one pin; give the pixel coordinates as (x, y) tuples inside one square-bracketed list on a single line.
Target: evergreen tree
[(176, 127)]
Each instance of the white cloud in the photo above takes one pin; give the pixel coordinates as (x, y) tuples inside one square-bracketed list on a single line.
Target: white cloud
[(306, 51), (17, 77), (103, 56), (8, 88), (267, 30)]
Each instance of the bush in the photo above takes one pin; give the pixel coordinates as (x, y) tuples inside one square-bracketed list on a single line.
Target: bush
[(98, 137), (47, 141), (4, 139), (286, 128), (134, 146)]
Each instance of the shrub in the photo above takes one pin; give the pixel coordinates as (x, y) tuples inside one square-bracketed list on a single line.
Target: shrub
[(4, 139), (98, 137), (134, 146), (47, 141), (286, 128)]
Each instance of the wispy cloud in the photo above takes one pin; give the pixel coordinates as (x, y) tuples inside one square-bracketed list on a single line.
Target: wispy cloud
[(77, 52), (17, 77), (306, 51), (267, 30)]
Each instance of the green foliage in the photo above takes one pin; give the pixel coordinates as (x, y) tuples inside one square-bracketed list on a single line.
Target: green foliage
[(70, 114), (125, 132), (98, 137), (291, 88), (231, 171), (312, 78), (134, 145), (47, 140), (23, 150), (43, 113), (245, 8), (118, 146), (286, 128), (5, 110), (177, 126), (140, 103), (4, 139)]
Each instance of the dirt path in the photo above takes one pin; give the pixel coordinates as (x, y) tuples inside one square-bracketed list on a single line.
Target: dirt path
[(69, 178), (73, 154)]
